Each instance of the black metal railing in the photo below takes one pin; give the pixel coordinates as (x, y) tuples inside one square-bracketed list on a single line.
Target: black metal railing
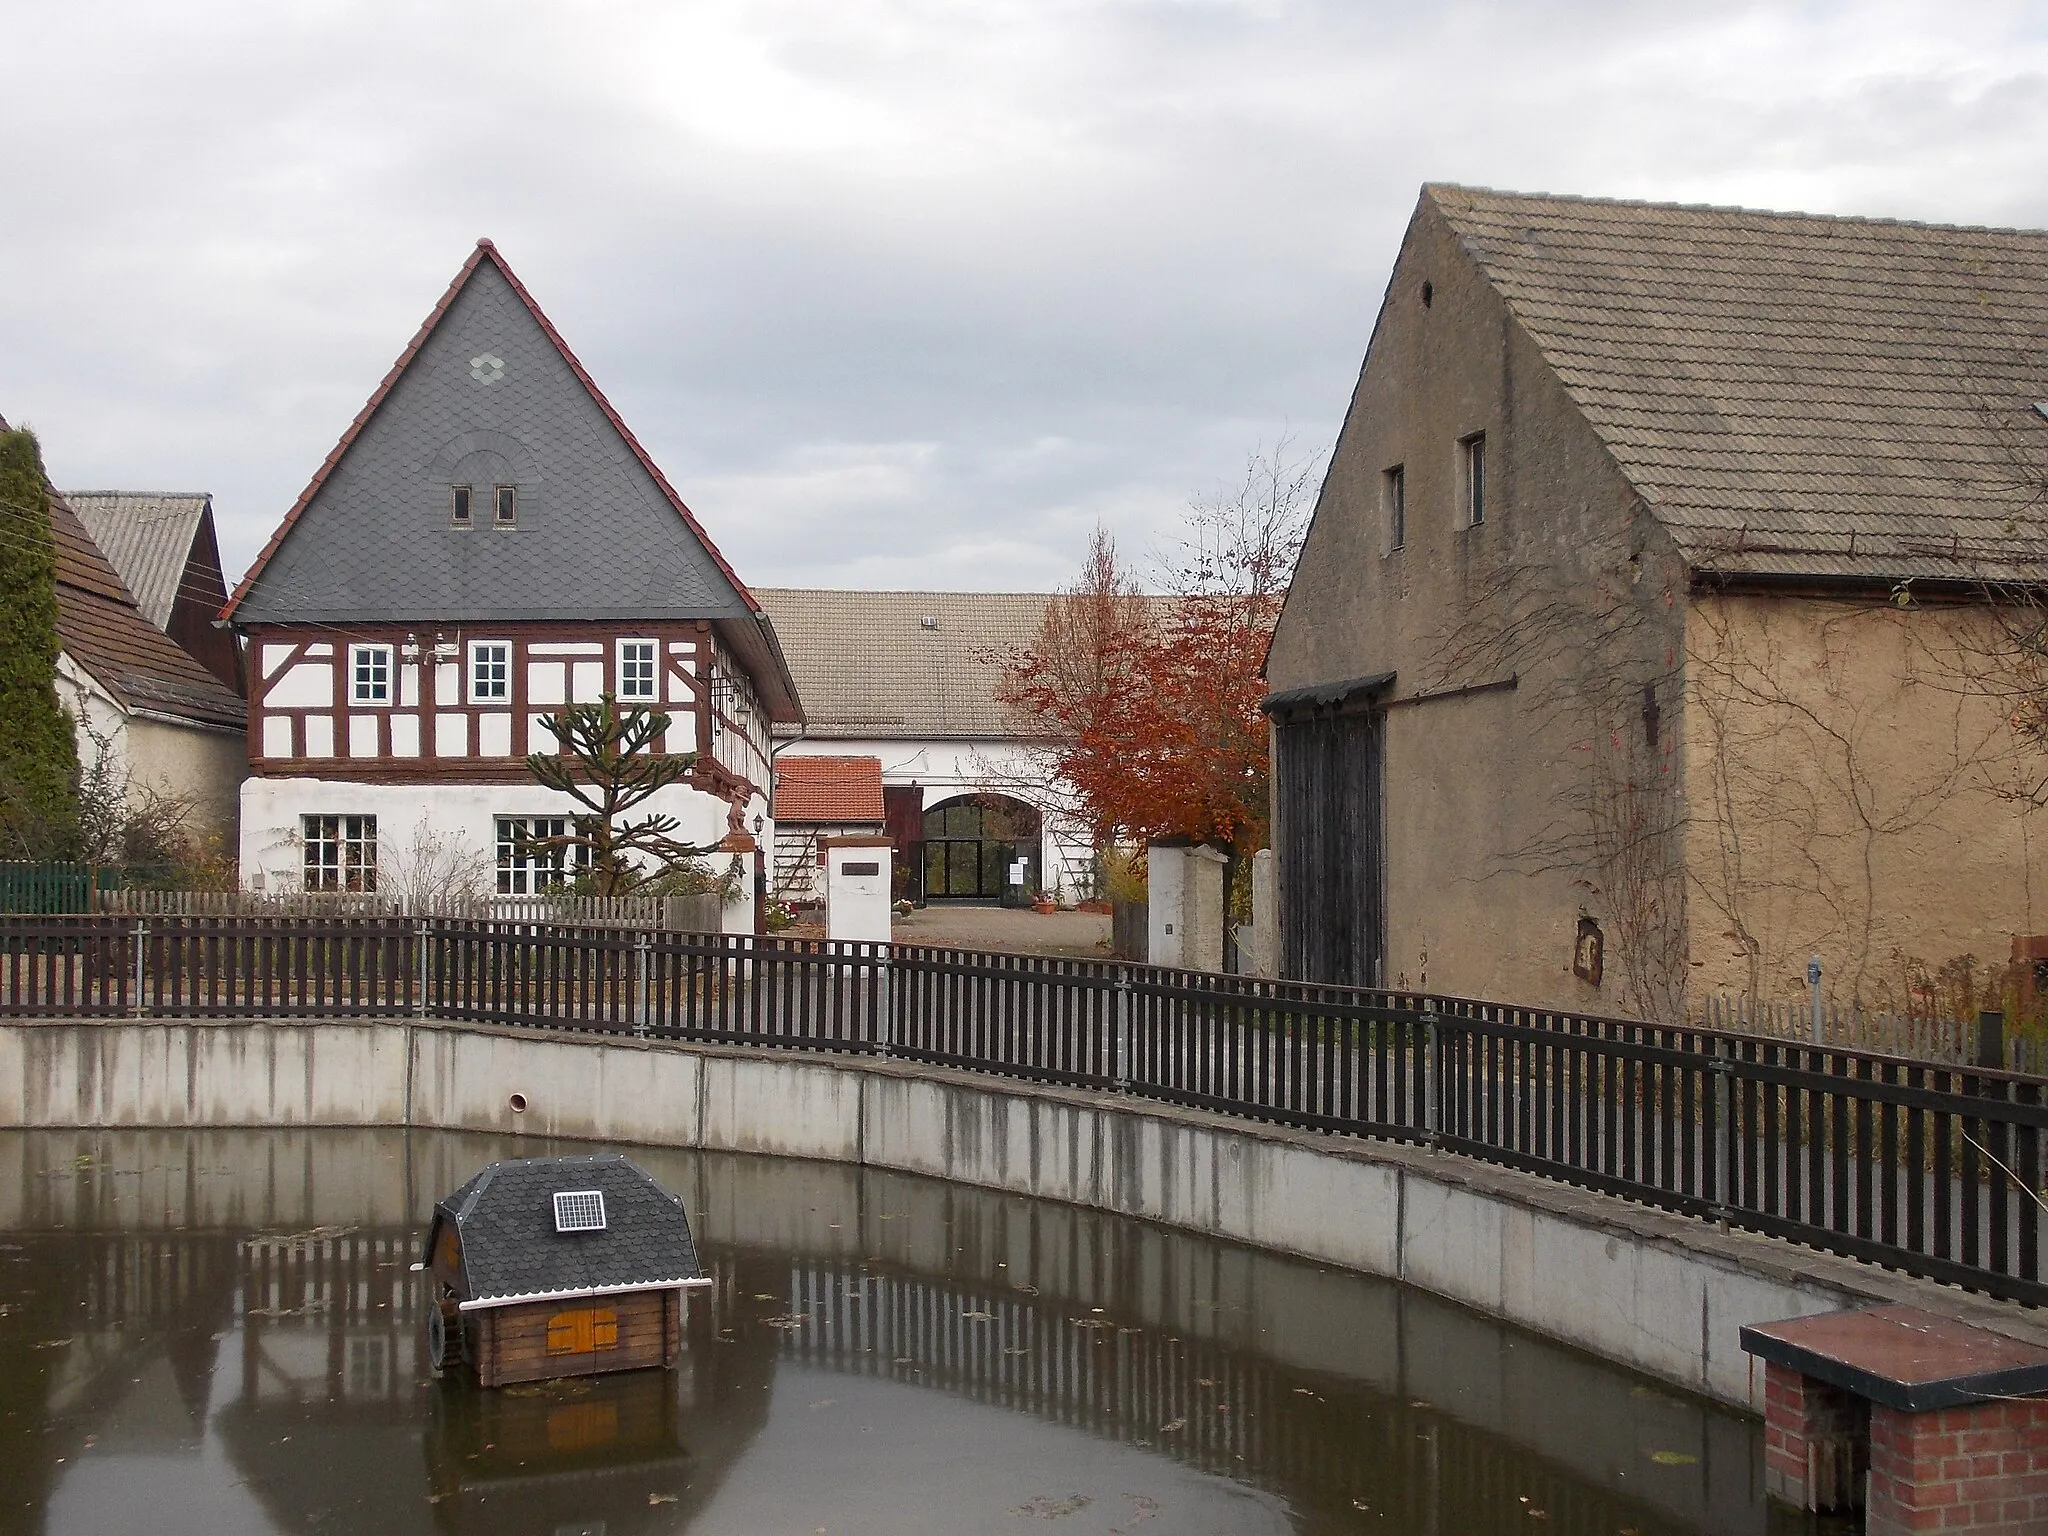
[(1928, 1168)]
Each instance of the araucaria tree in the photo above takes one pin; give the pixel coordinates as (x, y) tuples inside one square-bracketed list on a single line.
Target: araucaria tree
[(38, 751), (607, 766), (1148, 708)]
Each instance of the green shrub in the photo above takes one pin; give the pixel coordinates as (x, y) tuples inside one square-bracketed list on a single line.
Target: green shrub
[(38, 750)]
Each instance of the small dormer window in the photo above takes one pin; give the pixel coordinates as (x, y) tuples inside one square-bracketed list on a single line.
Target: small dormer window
[(458, 506), (579, 1210), (508, 506)]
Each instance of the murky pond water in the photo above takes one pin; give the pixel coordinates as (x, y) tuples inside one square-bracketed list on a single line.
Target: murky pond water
[(217, 1332)]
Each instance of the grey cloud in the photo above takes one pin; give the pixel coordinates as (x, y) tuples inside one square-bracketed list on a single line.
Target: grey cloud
[(899, 292)]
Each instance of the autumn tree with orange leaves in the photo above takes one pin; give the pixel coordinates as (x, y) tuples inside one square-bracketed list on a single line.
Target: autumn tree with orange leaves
[(1147, 708)]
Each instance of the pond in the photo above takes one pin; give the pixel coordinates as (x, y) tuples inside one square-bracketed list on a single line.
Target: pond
[(219, 1332)]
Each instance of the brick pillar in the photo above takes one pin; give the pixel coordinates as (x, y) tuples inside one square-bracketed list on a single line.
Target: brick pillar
[(1814, 1439), (1959, 1470)]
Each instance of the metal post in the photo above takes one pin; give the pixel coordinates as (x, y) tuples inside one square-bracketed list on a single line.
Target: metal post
[(420, 939), (1813, 980), (885, 998), (1724, 1135), (640, 1011), (1432, 1075), (1120, 1046), (136, 1004)]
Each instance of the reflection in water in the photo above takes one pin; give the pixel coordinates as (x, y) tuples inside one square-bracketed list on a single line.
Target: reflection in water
[(219, 1332)]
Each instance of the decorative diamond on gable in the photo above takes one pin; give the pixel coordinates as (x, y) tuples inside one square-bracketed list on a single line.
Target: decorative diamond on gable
[(579, 1210), (487, 369)]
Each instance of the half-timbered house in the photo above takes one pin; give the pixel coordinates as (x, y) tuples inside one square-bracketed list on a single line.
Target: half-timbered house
[(487, 543)]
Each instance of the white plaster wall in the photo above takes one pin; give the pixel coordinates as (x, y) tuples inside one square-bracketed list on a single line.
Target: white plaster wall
[(464, 815), (946, 769), (90, 706), (857, 905), (1166, 901), (202, 765)]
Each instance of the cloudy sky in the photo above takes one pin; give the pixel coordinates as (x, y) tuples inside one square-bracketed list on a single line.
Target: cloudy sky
[(900, 292)]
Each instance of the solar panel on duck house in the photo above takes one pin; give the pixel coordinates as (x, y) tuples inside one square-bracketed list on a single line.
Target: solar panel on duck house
[(579, 1210)]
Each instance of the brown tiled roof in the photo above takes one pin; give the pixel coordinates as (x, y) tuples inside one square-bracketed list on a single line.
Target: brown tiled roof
[(100, 628), (868, 665), (1792, 395), (835, 789)]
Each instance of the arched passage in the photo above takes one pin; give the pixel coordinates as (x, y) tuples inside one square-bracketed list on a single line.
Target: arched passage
[(973, 843)]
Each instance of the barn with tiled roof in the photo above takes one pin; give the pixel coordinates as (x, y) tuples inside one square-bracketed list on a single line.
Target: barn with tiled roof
[(1663, 622)]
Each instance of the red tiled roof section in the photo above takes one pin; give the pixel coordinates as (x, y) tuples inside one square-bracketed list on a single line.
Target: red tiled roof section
[(835, 789)]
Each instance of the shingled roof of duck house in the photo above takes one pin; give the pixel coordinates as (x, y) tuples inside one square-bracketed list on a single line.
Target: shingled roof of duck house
[(515, 1248), (489, 391)]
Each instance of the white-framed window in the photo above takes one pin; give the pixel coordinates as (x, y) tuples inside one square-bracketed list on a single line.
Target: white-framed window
[(1472, 477), (458, 506), (507, 498), (637, 671), (490, 671), (340, 852), (369, 674), (526, 864)]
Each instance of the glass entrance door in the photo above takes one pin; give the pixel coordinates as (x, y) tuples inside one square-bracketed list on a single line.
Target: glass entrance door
[(972, 847)]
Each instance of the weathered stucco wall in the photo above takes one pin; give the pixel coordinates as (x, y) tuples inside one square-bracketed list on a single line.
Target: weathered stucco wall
[(200, 765), (1858, 794), (1499, 805), (205, 766), (1655, 1292)]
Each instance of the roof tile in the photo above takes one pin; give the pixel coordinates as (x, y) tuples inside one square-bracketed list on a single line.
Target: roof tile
[(831, 789), (1793, 394)]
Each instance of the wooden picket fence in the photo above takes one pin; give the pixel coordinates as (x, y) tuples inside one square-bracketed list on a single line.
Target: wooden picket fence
[(1953, 1042), (47, 888), (702, 913)]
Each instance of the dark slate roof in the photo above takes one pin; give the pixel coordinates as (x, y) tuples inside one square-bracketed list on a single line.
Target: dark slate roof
[(1792, 395), (510, 1247), (489, 394)]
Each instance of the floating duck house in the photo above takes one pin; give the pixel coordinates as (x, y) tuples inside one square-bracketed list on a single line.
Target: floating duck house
[(558, 1266)]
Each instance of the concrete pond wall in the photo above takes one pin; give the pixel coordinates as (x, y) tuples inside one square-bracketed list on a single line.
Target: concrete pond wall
[(1661, 1294)]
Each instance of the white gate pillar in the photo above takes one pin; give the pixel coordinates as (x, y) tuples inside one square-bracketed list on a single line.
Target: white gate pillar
[(1184, 902)]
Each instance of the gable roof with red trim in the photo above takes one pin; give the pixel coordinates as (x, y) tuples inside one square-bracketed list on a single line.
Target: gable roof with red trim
[(488, 395)]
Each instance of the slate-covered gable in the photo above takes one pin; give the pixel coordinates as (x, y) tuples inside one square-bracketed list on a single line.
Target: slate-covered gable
[(488, 397), (510, 1247)]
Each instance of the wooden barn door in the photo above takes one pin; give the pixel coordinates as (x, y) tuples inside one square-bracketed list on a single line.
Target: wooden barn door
[(1332, 847)]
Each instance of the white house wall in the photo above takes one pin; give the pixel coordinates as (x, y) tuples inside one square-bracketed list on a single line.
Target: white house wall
[(948, 769), (739, 725), (463, 817)]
